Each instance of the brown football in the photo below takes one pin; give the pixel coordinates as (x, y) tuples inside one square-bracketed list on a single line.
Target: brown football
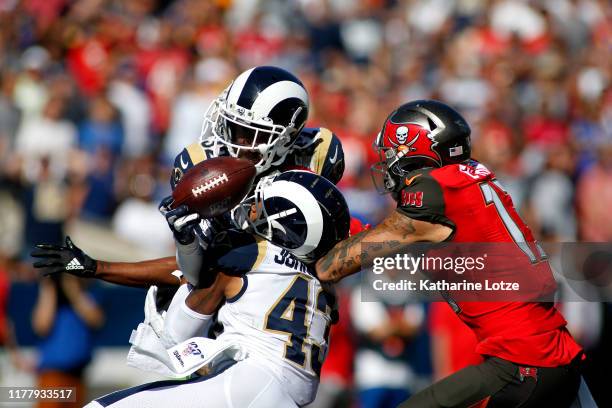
[(214, 186)]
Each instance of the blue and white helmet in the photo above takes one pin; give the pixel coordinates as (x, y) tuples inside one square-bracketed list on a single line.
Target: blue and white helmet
[(259, 116), (296, 210)]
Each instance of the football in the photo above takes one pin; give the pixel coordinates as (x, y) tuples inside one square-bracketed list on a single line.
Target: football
[(214, 186)]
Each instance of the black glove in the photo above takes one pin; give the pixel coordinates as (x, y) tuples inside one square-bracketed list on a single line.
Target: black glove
[(180, 220), (69, 259)]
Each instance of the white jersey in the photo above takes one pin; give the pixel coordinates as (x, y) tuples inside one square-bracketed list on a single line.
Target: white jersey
[(281, 317)]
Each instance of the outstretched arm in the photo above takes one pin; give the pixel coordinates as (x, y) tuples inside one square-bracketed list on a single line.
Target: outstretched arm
[(140, 274), (71, 259), (385, 239)]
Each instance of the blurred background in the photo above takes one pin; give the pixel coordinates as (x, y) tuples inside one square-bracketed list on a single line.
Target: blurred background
[(97, 97)]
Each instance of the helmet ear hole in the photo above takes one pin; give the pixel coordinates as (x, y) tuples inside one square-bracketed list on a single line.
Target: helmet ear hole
[(301, 212)]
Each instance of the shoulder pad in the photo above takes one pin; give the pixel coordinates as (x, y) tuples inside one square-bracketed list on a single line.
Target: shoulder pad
[(237, 252), (418, 175), (461, 175), (421, 197), (185, 160), (325, 155), (418, 181), (306, 137)]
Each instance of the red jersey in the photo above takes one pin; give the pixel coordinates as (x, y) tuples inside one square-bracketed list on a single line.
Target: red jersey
[(457, 339), (468, 199)]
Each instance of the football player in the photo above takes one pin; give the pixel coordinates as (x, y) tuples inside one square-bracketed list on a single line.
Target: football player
[(269, 302), (442, 194), (261, 117), (271, 104)]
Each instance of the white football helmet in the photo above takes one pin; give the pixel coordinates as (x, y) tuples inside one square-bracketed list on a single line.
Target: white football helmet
[(300, 211), (259, 116)]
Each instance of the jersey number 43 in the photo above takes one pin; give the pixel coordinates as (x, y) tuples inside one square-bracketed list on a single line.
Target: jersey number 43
[(293, 314)]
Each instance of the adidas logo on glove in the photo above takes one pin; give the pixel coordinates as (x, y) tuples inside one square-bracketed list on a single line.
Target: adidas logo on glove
[(74, 264)]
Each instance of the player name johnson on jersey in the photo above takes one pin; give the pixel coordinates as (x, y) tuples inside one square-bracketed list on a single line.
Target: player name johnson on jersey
[(281, 316)]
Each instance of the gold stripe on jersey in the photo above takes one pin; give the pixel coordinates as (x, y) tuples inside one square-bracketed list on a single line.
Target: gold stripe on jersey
[(196, 153), (320, 154), (262, 249)]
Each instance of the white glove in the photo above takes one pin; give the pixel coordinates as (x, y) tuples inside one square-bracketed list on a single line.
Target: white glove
[(152, 316)]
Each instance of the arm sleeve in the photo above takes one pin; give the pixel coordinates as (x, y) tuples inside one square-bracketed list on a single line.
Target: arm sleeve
[(423, 199), (189, 259), (182, 323)]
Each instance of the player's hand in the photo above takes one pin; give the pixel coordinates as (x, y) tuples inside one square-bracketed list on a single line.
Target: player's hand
[(206, 232), (153, 317), (180, 221), (69, 259), (210, 231)]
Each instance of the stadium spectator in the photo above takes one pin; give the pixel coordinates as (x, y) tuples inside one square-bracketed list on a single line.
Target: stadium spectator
[(132, 103), (7, 333), (385, 328), (48, 137), (101, 137), (9, 117), (30, 92), (137, 218), (207, 81), (552, 195), (595, 198), (64, 318)]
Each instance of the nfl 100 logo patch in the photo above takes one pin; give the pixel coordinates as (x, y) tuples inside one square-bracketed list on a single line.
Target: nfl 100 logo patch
[(192, 349)]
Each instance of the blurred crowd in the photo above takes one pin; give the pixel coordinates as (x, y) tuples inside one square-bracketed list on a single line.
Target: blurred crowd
[(98, 96)]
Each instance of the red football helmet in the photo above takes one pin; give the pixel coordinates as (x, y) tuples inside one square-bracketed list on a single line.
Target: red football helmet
[(424, 133)]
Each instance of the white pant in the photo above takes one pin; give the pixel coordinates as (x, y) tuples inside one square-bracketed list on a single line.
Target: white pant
[(245, 384)]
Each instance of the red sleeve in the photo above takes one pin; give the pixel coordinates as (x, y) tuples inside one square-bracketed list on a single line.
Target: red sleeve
[(357, 226)]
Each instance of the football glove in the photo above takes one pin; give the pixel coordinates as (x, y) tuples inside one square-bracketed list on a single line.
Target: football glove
[(69, 259), (206, 231), (153, 316), (180, 221)]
